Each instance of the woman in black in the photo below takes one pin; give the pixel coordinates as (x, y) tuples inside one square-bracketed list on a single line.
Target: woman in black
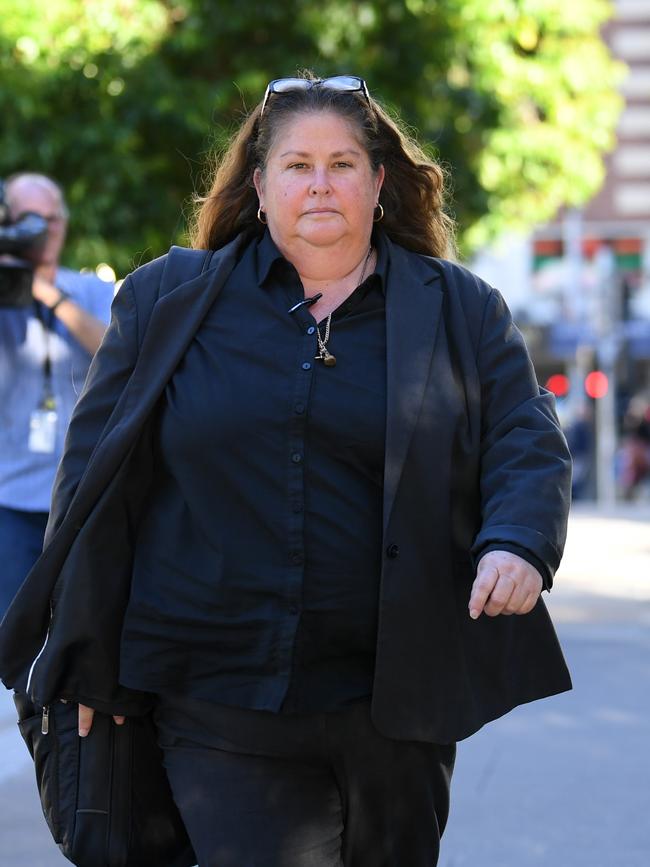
[(331, 476)]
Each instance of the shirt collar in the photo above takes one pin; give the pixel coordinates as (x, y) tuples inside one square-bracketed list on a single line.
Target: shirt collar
[(269, 258)]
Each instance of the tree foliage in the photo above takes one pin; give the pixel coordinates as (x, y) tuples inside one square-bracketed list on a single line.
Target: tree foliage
[(122, 100)]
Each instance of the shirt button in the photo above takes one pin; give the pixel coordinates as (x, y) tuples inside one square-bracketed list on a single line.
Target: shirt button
[(296, 457), (296, 557), (311, 329), (297, 507), (392, 551), (306, 365), (299, 407)]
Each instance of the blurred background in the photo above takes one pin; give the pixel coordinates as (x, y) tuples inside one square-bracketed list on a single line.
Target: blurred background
[(540, 111)]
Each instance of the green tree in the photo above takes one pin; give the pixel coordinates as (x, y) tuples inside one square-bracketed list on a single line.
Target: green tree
[(122, 100)]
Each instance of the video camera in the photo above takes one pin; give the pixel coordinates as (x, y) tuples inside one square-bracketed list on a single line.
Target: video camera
[(16, 239)]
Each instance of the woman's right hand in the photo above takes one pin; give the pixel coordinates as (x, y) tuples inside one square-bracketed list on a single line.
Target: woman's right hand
[(86, 715)]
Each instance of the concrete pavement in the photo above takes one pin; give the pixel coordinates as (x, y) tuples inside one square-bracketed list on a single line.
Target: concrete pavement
[(564, 782)]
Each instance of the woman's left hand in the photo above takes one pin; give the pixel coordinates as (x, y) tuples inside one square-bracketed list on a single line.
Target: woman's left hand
[(86, 716), (505, 584)]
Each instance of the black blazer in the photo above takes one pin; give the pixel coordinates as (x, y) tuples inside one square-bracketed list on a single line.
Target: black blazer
[(474, 455)]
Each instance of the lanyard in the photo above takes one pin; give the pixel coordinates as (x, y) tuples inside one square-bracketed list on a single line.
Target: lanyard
[(46, 317)]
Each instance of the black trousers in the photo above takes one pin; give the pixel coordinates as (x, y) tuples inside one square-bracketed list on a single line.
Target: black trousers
[(258, 789)]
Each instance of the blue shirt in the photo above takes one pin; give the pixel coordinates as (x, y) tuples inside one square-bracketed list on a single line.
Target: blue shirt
[(256, 576), (26, 477)]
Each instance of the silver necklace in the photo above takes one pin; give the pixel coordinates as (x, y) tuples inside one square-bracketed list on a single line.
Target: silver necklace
[(324, 354)]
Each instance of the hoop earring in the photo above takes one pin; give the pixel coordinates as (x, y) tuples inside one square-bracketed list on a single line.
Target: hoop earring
[(376, 219), (260, 212)]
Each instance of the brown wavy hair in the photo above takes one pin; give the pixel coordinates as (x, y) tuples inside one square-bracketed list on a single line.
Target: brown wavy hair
[(412, 194)]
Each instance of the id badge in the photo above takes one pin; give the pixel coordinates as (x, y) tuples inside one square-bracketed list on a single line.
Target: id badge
[(42, 431)]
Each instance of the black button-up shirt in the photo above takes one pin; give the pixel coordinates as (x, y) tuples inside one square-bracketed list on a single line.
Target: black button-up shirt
[(256, 576)]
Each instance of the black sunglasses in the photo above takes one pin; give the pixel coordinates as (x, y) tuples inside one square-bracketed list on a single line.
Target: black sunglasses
[(340, 83)]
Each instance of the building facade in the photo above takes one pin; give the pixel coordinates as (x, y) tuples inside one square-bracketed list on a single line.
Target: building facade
[(579, 287)]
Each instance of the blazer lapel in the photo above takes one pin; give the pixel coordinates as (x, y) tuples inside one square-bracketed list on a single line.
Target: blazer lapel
[(413, 306), (176, 318), (174, 321)]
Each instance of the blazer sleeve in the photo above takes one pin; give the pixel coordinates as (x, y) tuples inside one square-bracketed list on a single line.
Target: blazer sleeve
[(107, 376), (525, 476)]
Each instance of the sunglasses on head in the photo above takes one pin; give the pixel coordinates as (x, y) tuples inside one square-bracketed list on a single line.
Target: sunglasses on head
[(340, 83)]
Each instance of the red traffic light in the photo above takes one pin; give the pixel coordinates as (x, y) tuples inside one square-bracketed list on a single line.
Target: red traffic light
[(596, 384), (559, 384)]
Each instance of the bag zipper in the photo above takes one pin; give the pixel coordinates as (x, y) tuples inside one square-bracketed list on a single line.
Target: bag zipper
[(45, 721), (38, 656), (31, 670)]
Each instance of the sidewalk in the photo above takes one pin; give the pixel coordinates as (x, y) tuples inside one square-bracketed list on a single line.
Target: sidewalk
[(564, 782), (608, 551)]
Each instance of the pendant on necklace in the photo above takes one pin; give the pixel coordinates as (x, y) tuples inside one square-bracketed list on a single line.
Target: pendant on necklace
[(326, 357)]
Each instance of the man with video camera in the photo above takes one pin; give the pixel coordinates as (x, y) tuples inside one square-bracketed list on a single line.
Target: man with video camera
[(52, 320)]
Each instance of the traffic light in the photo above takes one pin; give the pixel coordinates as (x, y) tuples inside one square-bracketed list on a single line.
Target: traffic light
[(558, 384), (596, 384)]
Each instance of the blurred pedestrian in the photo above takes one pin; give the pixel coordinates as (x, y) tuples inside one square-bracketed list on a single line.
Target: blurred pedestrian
[(633, 458), (45, 351), (299, 505), (580, 439)]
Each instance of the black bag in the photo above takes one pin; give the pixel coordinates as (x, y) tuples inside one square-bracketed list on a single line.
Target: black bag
[(105, 797)]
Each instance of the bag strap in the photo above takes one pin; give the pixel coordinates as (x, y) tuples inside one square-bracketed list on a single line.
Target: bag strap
[(181, 265)]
